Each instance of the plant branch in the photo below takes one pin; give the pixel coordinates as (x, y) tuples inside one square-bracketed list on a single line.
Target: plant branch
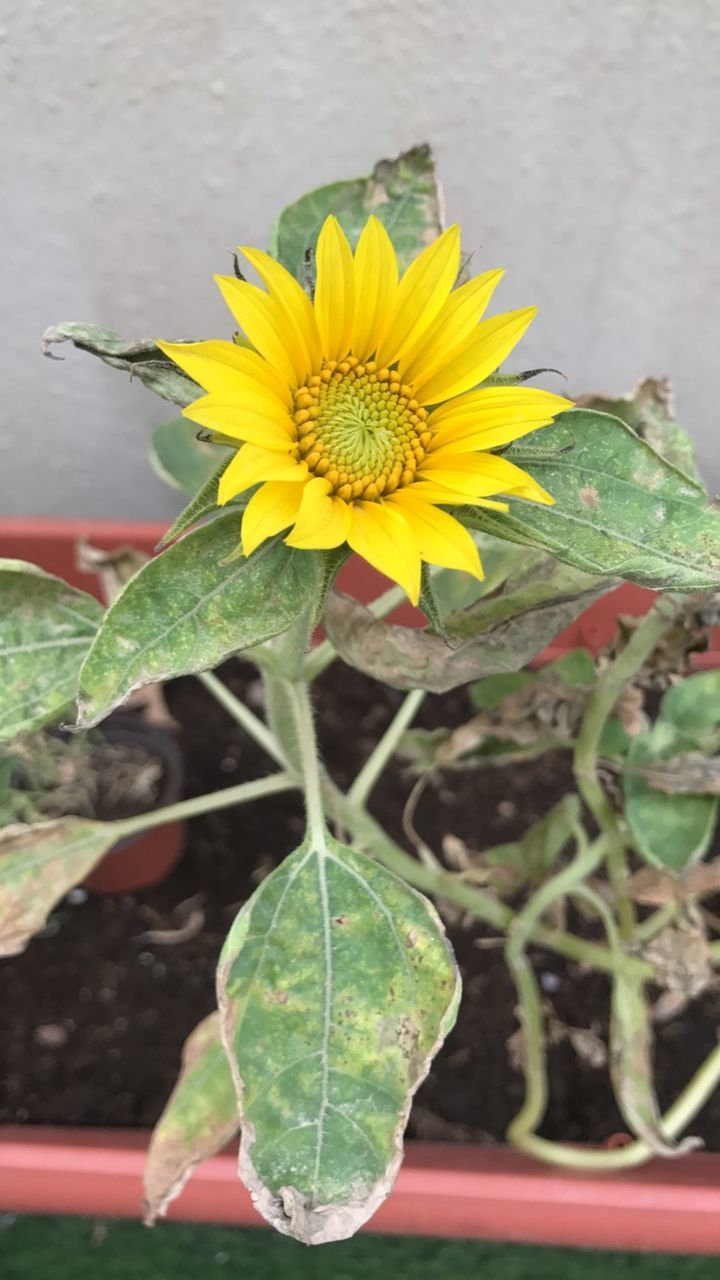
[(298, 698), (444, 884), (242, 714), (384, 749), (608, 689), (223, 799)]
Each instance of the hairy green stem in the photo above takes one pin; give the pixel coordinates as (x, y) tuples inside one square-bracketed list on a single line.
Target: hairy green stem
[(608, 689), (214, 800), (242, 714), (299, 702), (384, 749)]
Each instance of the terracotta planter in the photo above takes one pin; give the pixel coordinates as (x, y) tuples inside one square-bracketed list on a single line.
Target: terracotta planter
[(142, 861), (442, 1190)]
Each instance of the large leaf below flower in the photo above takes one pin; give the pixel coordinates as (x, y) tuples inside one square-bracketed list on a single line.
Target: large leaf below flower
[(46, 629), (336, 988), (498, 633), (619, 508), (190, 608), (402, 193), (141, 359)]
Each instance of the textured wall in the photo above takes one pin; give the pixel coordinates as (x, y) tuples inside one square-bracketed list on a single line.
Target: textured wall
[(577, 145)]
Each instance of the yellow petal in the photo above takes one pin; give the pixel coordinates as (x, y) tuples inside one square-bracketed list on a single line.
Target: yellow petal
[(252, 419), (491, 417), (437, 494), (382, 537), (376, 277), (262, 320), (322, 522), (479, 475), (222, 366), (252, 465), (496, 405), (456, 321), (334, 290), (441, 538), (293, 300), (476, 357), (271, 509), (421, 293)]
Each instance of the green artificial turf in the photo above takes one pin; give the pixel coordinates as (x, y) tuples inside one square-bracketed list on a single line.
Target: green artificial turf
[(34, 1248)]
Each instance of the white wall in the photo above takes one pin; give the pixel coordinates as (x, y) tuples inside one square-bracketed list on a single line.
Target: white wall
[(577, 142)]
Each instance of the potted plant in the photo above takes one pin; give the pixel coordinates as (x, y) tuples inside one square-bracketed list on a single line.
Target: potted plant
[(362, 410)]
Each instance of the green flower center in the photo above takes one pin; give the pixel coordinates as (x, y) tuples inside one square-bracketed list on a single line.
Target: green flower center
[(360, 429)]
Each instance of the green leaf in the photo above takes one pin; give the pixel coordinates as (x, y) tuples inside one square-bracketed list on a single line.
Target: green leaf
[(180, 459), (46, 628), (336, 988), (499, 633), (38, 865), (490, 693), (142, 359), (648, 410), (199, 1119), (673, 831), (619, 507), (574, 669), (191, 608), (694, 703), (402, 193)]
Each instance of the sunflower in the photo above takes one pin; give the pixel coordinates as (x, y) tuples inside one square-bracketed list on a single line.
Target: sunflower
[(359, 415)]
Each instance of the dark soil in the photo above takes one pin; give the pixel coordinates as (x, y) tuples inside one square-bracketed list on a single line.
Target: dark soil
[(94, 1015)]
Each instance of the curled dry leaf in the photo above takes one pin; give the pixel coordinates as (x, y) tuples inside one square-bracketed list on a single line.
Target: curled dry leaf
[(680, 954), (631, 1067), (655, 888), (199, 1119), (690, 773), (499, 633)]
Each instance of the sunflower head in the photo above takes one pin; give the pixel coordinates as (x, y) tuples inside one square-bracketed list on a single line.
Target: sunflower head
[(359, 416)]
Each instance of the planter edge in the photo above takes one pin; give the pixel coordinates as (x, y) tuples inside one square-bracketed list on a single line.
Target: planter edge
[(462, 1191)]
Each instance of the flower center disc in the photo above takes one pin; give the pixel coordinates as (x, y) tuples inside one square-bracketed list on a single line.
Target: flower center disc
[(360, 429)]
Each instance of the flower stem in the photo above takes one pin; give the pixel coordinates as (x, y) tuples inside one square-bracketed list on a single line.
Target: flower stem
[(299, 702), (384, 749), (242, 714), (209, 803)]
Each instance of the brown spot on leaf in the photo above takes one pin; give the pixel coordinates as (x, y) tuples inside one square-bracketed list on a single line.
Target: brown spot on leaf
[(411, 938), (589, 497), (340, 919)]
